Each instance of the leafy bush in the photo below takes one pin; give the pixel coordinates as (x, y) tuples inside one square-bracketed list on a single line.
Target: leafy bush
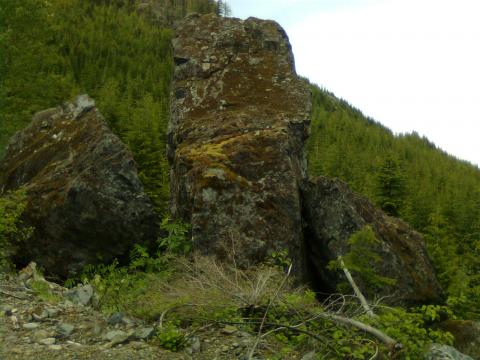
[(409, 329), (171, 337), (43, 291), (12, 229), (120, 286), (176, 241)]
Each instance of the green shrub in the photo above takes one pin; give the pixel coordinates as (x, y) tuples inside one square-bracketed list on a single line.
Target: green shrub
[(43, 291), (13, 231), (120, 286), (171, 337), (410, 330)]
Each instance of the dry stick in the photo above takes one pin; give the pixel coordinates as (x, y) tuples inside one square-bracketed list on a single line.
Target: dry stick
[(357, 291), (387, 340), (257, 340)]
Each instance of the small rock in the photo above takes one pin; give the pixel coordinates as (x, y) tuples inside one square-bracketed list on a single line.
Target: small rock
[(116, 337), (73, 343), (47, 341), (31, 326), (55, 347), (38, 317), (41, 334), (137, 344), (309, 356), (14, 321), (97, 329), (229, 329), (195, 346), (51, 313), (80, 295), (115, 318), (64, 330), (144, 333)]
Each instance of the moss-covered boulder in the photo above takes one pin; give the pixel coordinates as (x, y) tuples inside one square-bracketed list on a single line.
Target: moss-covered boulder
[(239, 118), (84, 198), (395, 263)]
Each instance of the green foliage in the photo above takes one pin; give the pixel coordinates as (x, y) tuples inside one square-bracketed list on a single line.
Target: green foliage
[(390, 186), (13, 232), (176, 241), (281, 259), (43, 291), (362, 261), (171, 337), (409, 329), (434, 313), (119, 286)]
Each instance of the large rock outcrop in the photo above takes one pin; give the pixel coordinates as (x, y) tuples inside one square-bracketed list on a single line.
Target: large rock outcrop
[(239, 118), (85, 200), (333, 214)]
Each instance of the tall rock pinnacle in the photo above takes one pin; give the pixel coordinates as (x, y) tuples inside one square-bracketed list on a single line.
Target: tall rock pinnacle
[(240, 116)]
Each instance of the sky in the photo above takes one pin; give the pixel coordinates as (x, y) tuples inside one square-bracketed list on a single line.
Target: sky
[(412, 65)]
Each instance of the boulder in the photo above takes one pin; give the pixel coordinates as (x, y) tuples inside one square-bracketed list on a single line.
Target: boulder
[(84, 198), (81, 294), (444, 352), (239, 119), (466, 335), (333, 213)]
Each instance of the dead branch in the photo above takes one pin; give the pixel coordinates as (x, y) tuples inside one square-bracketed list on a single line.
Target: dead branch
[(356, 289), (387, 340)]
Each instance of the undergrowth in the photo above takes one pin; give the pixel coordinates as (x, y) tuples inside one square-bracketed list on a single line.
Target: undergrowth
[(13, 232), (182, 293)]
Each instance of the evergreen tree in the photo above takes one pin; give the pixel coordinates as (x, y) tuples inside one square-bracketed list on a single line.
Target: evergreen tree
[(391, 186)]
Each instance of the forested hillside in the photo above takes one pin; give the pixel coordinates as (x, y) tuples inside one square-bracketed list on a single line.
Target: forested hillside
[(113, 50), (408, 177)]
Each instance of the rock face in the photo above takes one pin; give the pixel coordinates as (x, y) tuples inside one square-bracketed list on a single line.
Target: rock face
[(333, 214), (84, 196), (239, 118)]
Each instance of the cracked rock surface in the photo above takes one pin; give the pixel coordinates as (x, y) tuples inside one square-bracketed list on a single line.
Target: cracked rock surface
[(239, 119)]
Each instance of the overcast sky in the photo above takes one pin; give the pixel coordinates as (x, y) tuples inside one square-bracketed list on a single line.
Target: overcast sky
[(413, 65)]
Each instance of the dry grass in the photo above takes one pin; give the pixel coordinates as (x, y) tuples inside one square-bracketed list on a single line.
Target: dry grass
[(201, 287)]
